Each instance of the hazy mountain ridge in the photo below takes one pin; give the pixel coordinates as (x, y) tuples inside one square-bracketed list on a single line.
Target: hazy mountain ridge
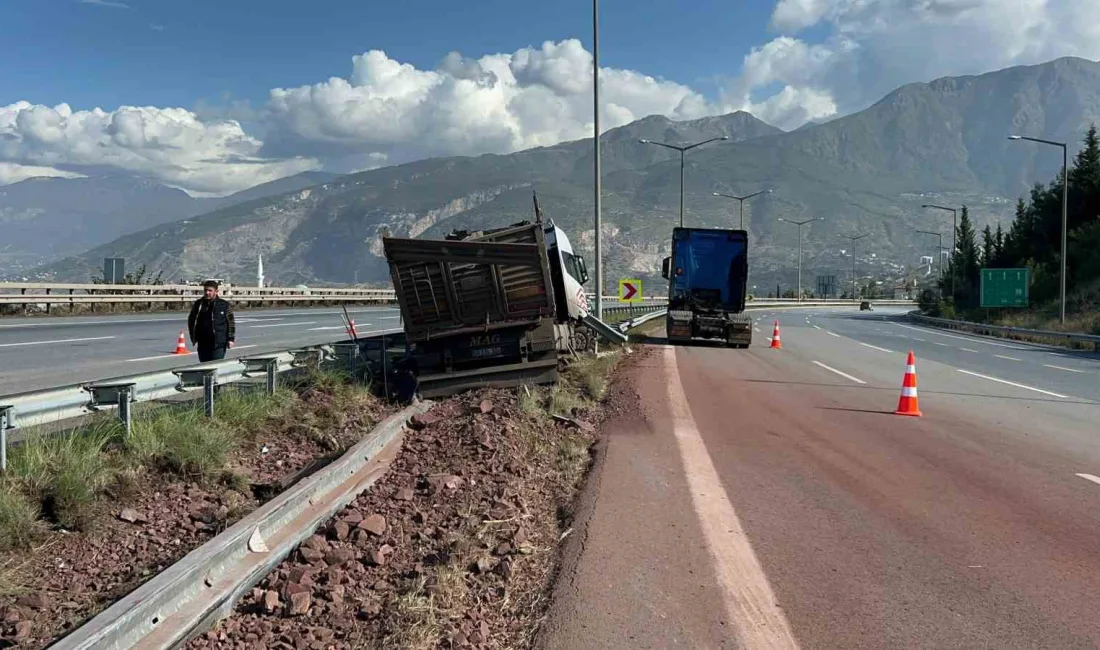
[(944, 141)]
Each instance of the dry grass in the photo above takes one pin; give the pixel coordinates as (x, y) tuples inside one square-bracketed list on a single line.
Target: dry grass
[(19, 526), (425, 609)]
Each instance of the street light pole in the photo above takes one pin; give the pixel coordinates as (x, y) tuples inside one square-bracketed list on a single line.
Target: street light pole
[(854, 239), (596, 140), (742, 199), (1065, 203), (939, 249), (682, 150), (954, 241), (800, 224)]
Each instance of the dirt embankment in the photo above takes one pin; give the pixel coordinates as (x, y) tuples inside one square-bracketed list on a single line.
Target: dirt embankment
[(457, 546), (86, 519)]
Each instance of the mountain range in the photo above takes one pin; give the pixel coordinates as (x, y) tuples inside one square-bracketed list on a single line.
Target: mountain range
[(45, 218), (866, 173)]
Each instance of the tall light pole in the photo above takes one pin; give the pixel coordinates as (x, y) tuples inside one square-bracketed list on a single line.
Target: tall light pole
[(954, 242), (854, 239), (939, 249), (682, 150), (742, 199), (1065, 202), (596, 142), (800, 224)]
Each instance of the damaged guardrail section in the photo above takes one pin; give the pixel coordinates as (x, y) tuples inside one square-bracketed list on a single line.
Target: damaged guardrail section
[(203, 587)]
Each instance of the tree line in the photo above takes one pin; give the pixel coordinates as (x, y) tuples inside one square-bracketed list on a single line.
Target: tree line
[(1033, 240)]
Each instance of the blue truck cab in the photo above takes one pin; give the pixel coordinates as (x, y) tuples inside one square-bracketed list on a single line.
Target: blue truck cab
[(707, 277)]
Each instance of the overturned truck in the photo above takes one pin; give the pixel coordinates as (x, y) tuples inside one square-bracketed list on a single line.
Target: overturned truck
[(489, 308)]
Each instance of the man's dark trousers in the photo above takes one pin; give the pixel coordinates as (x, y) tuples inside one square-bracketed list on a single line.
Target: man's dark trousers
[(207, 352)]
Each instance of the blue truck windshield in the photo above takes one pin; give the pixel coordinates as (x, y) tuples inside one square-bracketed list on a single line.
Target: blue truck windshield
[(708, 269)]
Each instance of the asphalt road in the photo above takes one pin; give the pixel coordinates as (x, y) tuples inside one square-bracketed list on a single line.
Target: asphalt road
[(771, 499), (40, 353)]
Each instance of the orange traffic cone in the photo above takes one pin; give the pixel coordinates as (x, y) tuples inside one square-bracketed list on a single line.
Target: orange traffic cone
[(775, 337), (907, 403), (352, 332), (181, 346)]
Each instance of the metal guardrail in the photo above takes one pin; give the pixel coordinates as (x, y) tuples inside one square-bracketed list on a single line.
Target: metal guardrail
[(43, 407), (1004, 331), (656, 311)]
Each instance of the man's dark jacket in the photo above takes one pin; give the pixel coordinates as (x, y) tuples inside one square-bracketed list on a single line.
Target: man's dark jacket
[(211, 322)]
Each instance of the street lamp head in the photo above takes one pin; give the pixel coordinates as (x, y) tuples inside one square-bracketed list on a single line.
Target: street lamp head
[(769, 191), (725, 137), (1015, 137), (644, 141)]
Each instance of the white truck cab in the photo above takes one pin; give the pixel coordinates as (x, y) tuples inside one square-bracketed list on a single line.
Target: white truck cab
[(568, 273)]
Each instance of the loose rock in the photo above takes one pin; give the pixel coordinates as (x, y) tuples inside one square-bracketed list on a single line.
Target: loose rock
[(374, 524)]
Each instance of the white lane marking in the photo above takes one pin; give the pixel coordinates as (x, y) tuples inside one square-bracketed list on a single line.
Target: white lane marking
[(873, 347), (817, 327), (756, 329), (1012, 383), (832, 334), (917, 339), (25, 343), (842, 374), (1047, 365), (1001, 356), (963, 338), (1090, 477), (969, 350), (260, 327), (334, 327), (165, 356), (942, 345), (256, 320), (750, 602)]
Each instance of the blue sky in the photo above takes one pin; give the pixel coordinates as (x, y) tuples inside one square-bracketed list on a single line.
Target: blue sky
[(97, 55), (187, 92)]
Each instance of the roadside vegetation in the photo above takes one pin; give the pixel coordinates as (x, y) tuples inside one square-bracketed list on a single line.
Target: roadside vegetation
[(1033, 241), (61, 480)]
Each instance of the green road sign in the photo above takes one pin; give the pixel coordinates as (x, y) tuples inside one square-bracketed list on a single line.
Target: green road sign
[(1004, 288)]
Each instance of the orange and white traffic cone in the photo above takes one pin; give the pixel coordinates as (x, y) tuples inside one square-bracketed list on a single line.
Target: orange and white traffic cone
[(352, 332), (907, 403), (775, 337), (181, 346)]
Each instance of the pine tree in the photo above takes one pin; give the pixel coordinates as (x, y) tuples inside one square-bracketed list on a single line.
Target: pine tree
[(999, 248), (965, 265), (987, 247)]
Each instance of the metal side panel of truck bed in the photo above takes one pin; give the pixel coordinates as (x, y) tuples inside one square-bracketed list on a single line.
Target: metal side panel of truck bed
[(455, 286)]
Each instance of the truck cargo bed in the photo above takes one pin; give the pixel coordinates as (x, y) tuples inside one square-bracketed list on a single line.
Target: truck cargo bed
[(448, 287)]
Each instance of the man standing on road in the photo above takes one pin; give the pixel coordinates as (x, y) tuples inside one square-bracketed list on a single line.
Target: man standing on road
[(211, 324)]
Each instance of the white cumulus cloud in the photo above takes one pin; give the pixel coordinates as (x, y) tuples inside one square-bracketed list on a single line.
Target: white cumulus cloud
[(210, 157), (873, 46), (497, 103)]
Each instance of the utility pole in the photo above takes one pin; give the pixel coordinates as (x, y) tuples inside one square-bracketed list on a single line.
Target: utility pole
[(854, 239), (596, 142), (682, 150), (741, 200), (800, 224), (1065, 203)]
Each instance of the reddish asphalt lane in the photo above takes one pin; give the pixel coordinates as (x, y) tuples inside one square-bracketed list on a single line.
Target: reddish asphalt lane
[(831, 522)]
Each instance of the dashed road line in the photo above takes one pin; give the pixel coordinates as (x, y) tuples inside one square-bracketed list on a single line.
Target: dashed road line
[(259, 327), (1090, 477), (833, 334), (81, 340), (942, 345), (1012, 383), (842, 374), (1047, 365), (1001, 356), (165, 356), (875, 347), (817, 327), (969, 350), (962, 338)]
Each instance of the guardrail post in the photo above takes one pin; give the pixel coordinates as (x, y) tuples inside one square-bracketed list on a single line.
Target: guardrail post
[(120, 394), (268, 365), (208, 384), (124, 409), (5, 422)]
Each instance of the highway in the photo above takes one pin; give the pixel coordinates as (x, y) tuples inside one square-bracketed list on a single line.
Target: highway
[(40, 353), (771, 498)]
